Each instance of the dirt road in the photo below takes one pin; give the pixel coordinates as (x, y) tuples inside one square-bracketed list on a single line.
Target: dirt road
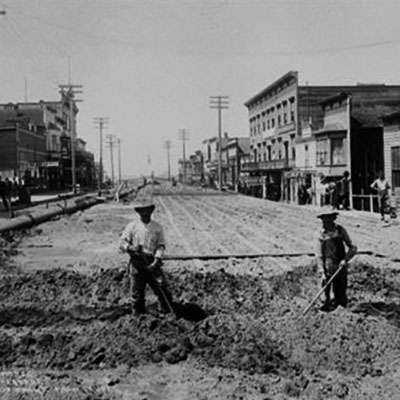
[(64, 319)]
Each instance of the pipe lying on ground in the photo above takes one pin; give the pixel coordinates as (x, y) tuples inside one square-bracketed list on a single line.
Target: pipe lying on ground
[(252, 255), (40, 216)]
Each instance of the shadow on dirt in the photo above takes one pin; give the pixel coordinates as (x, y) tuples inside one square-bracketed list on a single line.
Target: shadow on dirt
[(36, 316), (389, 311)]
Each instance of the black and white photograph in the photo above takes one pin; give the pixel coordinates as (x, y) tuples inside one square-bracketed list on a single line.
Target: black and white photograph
[(199, 200)]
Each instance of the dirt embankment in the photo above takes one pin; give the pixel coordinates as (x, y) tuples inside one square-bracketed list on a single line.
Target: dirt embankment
[(67, 320)]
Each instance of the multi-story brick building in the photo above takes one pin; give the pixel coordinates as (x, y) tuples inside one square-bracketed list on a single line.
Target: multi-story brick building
[(300, 132), (53, 120)]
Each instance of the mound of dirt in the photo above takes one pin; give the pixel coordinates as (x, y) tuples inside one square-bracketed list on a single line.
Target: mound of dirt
[(63, 319)]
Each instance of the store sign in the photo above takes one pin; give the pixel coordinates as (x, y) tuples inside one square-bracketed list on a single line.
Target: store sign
[(50, 164)]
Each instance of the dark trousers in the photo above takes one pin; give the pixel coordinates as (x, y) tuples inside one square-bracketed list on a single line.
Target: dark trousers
[(384, 206), (5, 201), (141, 277), (345, 201), (338, 285)]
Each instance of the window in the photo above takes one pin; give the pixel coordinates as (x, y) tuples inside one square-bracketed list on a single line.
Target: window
[(263, 124), (279, 120), (268, 125), (338, 155), (322, 152), (396, 166), (54, 144), (269, 153), (293, 153), (272, 122), (292, 109)]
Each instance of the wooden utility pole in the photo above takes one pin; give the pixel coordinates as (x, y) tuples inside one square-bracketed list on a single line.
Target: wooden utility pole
[(70, 91), (348, 104), (111, 143), (26, 90), (184, 136), (101, 123), (167, 146), (119, 161), (219, 103)]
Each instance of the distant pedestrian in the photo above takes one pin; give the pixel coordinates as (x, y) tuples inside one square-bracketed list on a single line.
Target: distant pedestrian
[(344, 191), (9, 189), (3, 193), (333, 195), (382, 187), (332, 255)]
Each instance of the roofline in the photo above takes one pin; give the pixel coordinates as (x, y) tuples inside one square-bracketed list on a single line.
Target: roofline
[(336, 97), (290, 74), (348, 87), (391, 117)]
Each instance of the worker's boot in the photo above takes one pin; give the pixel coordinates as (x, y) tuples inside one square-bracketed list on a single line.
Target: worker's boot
[(326, 306), (138, 308)]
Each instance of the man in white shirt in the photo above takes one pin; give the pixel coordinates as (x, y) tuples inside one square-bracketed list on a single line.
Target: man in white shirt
[(144, 241), (381, 186)]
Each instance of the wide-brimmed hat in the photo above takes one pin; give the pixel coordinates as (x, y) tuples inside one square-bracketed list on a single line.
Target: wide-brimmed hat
[(143, 206), (333, 215)]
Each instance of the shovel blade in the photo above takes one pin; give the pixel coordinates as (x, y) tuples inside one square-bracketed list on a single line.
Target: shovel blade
[(189, 311)]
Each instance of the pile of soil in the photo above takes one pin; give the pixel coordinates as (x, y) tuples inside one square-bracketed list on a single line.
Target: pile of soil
[(66, 320)]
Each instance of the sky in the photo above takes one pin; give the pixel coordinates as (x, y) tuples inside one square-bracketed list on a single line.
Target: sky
[(150, 66)]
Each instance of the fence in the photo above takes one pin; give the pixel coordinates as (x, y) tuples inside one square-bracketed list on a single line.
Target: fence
[(366, 202)]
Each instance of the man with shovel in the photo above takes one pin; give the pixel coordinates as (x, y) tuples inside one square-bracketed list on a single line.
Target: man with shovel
[(333, 258), (144, 241)]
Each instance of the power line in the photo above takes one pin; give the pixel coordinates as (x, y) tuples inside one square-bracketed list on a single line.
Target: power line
[(219, 103), (310, 52)]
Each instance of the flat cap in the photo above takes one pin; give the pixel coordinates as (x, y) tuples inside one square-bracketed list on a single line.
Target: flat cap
[(145, 205), (332, 214)]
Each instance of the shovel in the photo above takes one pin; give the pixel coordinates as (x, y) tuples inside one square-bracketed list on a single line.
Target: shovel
[(189, 311), (323, 289)]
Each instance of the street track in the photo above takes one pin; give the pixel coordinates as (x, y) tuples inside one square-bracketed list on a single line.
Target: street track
[(267, 231), (232, 231)]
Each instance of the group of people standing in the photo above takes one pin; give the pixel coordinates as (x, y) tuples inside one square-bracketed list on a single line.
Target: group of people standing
[(13, 188), (336, 193)]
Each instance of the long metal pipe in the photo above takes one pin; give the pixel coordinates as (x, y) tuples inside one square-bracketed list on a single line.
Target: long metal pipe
[(40, 216)]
